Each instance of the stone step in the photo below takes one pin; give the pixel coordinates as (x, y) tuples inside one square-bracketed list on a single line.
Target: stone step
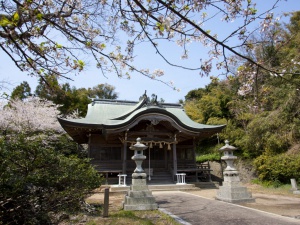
[(162, 177), (172, 187), (206, 185), (160, 187), (160, 181)]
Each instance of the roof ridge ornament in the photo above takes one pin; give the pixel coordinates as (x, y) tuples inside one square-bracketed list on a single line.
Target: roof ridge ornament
[(145, 95), (93, 101), (156, 102), (144, 98), (153, 101)]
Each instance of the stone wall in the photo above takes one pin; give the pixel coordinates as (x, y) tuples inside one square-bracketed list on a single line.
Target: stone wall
[(245, 168)]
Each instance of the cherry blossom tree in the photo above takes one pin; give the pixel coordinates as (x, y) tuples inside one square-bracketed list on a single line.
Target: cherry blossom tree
[(29, 116), (42, 172), (57, 36), (276, 49)]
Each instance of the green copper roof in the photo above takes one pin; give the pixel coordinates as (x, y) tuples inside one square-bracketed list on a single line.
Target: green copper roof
[(116, 116)]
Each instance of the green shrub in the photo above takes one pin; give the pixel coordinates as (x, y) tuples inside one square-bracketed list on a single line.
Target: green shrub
[(279, 168), (208, 157), (37, 182)]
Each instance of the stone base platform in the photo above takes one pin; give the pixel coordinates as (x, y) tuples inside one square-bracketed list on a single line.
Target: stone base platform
[(139, 197), (234, 194), (297, 192)]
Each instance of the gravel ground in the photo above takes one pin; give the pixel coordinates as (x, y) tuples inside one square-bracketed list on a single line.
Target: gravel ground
[(285, 205), (278, 204)]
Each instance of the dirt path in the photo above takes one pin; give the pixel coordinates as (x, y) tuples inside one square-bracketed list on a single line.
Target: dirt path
[(278, 204), (281, 205), (197, 210)]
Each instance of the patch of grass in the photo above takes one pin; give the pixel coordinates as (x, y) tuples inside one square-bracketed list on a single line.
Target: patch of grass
[(270, 184), (91, 222), (142, 218), (269, 187), (121, 217), (127, 214), (134, 216)]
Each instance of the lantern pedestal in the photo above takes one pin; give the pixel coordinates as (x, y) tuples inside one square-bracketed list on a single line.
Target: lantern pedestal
[(139, 197), (231, 190)]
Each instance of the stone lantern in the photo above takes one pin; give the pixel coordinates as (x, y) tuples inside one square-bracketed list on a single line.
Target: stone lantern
[(138, 156), (139, 197), (228, 156), (231, 190)]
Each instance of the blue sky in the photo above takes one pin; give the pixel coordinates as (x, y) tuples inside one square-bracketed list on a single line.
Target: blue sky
[(146, 58)]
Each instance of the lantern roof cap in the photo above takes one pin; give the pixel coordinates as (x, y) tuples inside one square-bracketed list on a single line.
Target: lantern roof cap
[(227, 147), (138, 146)]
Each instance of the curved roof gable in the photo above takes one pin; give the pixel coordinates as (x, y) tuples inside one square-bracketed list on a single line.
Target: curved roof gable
[(121, 115), (140, 104)]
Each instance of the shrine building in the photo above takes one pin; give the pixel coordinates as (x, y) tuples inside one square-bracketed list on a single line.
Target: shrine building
[(112, 126)]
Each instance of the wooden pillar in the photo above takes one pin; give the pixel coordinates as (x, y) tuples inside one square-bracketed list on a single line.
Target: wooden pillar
[(166, 158), (124, 168), (106, 202), (194, 150), (89, 145), (194, 154), (174, 161), (124, 155)]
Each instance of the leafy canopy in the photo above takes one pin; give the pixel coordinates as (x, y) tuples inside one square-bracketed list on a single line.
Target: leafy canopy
[(56, 36)]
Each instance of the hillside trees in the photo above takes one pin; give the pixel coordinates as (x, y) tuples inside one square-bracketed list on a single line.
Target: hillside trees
[(41, 173), (276, 98), (206, 104), (263, 108), (291, 50), (69, 99), (56, 36), (262, 135), (104, 91), (22, 91)]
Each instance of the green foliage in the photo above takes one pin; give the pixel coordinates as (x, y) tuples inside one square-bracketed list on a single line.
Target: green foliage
[(208, 157), (195, 94), (272, 187), (278, 168), (263, 121), (213, 102), (132, 216), (160, 27), (91, 223), (22, 91), (208, 150), (37, 181), (39, 16), (71, 99), (4, 22), (58, 45), (104, 91), (128, 214), (216, 121), (265, 133), (63, 144), (269, 184), (15, 17)]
